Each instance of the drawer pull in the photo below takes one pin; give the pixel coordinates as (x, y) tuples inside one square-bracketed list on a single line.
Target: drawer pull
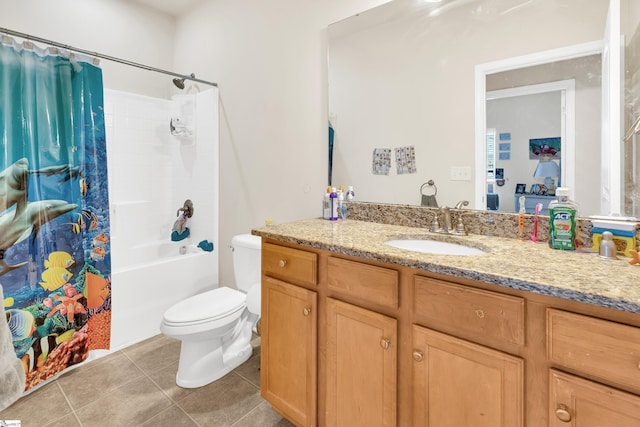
[(282, 263), (418, 356), (306, 311), (563, 413), (480, 313), (385, 343)]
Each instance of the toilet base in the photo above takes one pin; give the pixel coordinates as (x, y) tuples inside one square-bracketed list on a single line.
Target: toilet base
[(194, 376), (204, 359)]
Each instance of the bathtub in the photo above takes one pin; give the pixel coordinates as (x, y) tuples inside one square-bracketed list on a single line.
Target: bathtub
[(148, 278)]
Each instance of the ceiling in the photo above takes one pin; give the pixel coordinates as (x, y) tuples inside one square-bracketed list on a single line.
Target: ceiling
[(172, 7)]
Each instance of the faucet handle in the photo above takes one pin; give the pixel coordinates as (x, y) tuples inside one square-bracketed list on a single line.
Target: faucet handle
[(460, 228), (435, 224)]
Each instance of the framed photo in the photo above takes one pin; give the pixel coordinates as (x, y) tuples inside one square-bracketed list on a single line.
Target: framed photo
[(535, 189), (520, 188)]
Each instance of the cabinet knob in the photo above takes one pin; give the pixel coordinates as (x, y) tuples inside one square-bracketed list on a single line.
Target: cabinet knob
[(563, 414), (282, 263), (385, 343), (418, 356), (480, 313), (306, 311)]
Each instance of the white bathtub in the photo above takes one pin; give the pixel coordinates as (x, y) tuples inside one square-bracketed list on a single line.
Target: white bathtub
[(147, 279)]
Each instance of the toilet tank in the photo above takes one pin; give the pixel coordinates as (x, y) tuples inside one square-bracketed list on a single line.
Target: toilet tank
[(246, 260)]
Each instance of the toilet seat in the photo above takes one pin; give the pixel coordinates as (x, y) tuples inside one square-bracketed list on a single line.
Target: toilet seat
[(205, 307)]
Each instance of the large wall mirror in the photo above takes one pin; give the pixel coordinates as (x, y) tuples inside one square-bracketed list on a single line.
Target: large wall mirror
[(403, 79)]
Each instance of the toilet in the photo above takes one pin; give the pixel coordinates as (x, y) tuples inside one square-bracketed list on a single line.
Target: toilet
[(216, 326)]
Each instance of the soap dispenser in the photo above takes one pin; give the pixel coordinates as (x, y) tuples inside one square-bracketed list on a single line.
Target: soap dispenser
[(608, 246)]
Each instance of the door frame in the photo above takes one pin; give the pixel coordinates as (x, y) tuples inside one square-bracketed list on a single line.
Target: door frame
[(482, 70)]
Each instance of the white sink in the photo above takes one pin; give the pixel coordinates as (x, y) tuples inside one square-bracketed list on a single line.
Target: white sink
[(434, 247)]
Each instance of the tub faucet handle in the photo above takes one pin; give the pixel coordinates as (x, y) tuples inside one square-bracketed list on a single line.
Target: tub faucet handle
[(187, 208)]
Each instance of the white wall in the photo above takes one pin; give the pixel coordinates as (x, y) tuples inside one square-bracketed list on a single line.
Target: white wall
[(116, 28), (269, 59), (524, 117)]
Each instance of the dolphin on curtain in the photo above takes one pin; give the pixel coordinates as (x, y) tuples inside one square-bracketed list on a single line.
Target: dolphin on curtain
[(27, 217)]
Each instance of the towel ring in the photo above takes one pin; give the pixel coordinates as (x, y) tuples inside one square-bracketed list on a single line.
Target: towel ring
[(428, 184)]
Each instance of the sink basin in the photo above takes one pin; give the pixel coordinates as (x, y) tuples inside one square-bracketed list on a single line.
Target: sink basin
[(434, 247)]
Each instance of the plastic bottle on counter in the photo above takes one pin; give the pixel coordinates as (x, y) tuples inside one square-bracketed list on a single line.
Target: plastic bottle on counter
[(351, 195), (521, 223), (334, 205), (326, 204), (342, 206), (562, 221)]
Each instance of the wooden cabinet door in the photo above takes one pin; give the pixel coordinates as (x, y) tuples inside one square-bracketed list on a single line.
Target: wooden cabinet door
[(288, 350), (460, 384), (361, 360), (576, 402)]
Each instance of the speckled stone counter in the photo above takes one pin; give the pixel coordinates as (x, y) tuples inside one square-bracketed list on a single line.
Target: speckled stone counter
[(526, 266)]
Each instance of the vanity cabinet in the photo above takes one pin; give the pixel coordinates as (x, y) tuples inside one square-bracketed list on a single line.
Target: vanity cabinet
[(361, 361), (456, 381), (576, 402), (599, 349), (459, 383), (288, 356), (348, 341)]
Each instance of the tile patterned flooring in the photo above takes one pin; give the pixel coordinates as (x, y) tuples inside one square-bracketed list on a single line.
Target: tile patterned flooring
[(136, 387)]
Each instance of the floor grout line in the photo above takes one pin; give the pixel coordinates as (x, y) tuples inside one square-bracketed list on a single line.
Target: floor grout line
[(66, 398), (174, 402), (247, 414)]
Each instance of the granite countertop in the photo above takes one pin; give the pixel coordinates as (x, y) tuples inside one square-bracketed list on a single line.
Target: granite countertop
[(526, 266)]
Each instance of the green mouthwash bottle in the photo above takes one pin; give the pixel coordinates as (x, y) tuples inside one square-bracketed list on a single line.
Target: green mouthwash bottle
[(562, 221)]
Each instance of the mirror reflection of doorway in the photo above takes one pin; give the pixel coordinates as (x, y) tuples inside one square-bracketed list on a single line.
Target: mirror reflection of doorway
[(519, 118)]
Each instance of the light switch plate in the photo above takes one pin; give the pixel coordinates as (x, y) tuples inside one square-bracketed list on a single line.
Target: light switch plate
[(460, 173)]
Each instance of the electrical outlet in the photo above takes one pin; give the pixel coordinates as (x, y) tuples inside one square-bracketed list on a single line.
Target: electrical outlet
[(460, 173)]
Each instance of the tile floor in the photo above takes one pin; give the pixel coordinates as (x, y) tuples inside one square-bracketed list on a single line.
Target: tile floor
[(136, 387)]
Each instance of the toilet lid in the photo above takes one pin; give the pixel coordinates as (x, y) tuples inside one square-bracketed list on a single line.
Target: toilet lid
[(209, 305)]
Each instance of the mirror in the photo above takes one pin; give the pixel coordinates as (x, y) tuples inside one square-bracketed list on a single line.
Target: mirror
[(402, 78)]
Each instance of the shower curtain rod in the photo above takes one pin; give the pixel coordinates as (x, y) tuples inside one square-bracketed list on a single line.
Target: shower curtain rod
[(102, 56)]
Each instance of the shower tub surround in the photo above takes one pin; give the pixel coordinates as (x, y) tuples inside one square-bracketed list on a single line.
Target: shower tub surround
[(154, 170)]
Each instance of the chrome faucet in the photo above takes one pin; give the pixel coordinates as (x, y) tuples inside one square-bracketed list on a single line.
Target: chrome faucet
[(462, 203), (446, 221), (446, 213)]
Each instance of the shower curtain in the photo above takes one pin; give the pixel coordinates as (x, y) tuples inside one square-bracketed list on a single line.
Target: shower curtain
[(55, 264)]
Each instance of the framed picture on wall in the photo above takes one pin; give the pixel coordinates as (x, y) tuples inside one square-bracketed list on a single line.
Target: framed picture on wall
[(520, 188)]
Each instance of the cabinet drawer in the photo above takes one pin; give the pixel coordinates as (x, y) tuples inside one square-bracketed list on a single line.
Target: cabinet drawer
[(293, 265), (377, 285), (602, 348), (474, 313)]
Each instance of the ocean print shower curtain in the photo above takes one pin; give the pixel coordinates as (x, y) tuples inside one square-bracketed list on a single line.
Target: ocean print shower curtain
[(54, 213)]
